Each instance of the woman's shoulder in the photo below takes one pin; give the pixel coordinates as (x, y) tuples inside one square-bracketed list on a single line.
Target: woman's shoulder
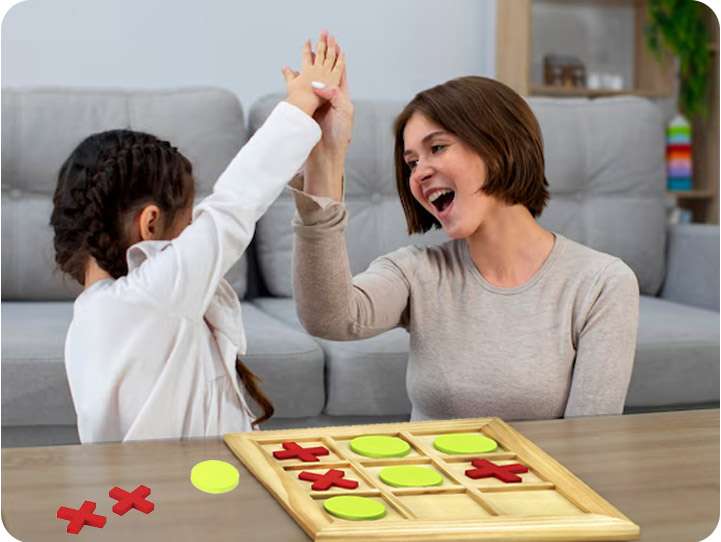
[(427, 260), (591, 265)]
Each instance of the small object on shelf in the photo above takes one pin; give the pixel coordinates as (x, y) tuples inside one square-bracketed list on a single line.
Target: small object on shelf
[(679, 170), (563, 71)]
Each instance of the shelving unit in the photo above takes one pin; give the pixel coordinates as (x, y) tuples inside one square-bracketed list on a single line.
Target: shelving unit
[(650, 79), (705, 140)]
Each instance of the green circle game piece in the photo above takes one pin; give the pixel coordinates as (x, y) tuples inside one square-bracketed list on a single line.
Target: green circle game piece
[(214, 476), (354, 508), (464, 443), (410, 476), (378, 446)]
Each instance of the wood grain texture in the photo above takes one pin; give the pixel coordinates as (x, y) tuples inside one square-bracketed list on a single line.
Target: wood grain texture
[(560, 508), (513, 44), (629, 460)]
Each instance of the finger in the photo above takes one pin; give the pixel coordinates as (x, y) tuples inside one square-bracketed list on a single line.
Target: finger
[(331, 52), (339, 65), (321, 48), (288, 74), (327, 93), (343, 80), (307, 54), (343, 85)]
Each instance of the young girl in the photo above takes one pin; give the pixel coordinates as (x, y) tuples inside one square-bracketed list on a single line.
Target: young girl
[(152, 350), (507, 319)]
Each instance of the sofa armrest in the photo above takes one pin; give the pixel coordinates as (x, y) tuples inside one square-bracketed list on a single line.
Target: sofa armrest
[(692, 265)]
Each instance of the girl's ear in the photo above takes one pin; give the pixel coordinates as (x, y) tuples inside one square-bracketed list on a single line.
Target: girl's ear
[(149, 225)]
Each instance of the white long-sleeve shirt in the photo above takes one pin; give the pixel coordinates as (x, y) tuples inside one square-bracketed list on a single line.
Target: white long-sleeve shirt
[(152, 354)]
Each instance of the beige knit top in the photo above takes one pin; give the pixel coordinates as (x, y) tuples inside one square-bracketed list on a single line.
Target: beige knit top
[(562, 344)]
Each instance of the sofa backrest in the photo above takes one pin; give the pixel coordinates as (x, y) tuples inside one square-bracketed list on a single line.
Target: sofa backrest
[(40, 127), (604, 163)]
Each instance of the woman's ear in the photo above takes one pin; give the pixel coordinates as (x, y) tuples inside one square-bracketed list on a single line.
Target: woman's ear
[(150, 225)]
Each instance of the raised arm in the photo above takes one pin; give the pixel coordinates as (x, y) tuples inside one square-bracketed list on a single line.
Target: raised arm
[(330, 302), (185, 275)]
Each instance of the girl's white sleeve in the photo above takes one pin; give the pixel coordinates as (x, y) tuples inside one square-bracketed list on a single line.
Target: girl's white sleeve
[(185, 274)]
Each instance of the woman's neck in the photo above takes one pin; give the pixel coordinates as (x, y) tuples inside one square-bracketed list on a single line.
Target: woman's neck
[(509, 247), (94, 273)]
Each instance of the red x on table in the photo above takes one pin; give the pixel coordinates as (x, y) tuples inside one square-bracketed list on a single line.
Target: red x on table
[(135, 499), (486, 469), (325, 481), (81, 517), (304, 454)]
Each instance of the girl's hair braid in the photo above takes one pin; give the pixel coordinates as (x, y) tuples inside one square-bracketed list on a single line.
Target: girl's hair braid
[(107, 178)]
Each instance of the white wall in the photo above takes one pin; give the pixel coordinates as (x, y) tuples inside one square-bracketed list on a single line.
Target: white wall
[(395, 47)]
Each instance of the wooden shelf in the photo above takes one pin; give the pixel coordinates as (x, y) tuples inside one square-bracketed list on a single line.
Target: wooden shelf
[(543, 90), (691, 194), (514, 61)]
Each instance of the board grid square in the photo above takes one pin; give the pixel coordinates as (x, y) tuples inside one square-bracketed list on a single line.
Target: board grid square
[(549, 504)]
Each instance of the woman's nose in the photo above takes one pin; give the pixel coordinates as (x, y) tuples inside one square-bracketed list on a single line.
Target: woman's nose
[(422, 171)]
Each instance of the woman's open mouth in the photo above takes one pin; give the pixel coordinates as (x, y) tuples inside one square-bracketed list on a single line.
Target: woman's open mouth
[(442, 200)]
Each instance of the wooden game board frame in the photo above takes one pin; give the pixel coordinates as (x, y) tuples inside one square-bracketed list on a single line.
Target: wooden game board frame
[(600, 520)]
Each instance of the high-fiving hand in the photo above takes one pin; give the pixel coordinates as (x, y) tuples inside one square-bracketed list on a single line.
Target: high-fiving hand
[(323, 175), (320, 70)]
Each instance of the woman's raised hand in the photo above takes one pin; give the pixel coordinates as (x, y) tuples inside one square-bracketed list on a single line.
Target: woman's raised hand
[(323, 173), (320, 70)]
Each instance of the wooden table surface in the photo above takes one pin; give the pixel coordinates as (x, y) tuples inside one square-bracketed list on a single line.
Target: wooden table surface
[(661, 470)]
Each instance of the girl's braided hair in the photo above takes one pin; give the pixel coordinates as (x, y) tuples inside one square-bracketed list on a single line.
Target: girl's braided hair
[(107, 179)]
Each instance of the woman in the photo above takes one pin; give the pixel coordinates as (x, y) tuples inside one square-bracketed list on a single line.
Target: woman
[(507, 318)]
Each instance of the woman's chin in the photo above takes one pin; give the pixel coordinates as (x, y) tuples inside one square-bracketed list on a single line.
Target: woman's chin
[(454, 232)]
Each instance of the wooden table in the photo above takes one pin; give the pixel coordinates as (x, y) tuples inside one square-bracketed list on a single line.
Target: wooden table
[(661, 470)]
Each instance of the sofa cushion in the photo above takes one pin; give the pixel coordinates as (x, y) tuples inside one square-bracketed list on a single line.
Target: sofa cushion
[(28, 264), (40, 127), (363, 378), (677, 356), (35, 389), (289, 363), (605, 165), (604, 162)]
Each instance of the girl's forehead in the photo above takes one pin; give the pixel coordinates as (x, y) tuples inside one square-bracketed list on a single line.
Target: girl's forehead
[(417, 129)]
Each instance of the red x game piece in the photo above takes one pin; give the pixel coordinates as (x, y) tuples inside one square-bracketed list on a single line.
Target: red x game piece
[(333, 477), (293, 450), (135, 499), (81, 517), (505, 473)]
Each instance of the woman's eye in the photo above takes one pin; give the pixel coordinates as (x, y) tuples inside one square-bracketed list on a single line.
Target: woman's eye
[(437, 148), (412, 164)]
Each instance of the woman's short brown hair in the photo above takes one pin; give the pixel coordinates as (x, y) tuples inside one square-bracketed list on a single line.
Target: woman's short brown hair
[(495, 122)]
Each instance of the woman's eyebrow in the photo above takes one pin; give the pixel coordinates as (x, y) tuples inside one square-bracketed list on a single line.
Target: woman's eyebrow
[(426, 138)]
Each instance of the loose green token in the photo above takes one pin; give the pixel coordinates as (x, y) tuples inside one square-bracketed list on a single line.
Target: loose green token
[(464, 443), (214, 476), (410, 476), (380, 446), (354, 508)]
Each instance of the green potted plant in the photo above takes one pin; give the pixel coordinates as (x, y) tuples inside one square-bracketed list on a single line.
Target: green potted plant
[(677, 26)]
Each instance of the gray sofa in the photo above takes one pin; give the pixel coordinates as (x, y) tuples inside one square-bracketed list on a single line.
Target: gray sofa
[(605, 164)]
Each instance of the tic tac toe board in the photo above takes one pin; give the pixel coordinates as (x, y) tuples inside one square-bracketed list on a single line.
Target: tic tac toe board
[(543, 502)]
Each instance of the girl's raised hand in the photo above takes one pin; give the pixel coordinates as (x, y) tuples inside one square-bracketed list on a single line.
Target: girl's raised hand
[(320, 70)]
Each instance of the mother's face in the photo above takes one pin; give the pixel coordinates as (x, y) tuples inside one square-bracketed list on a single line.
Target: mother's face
[(446, 176)]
